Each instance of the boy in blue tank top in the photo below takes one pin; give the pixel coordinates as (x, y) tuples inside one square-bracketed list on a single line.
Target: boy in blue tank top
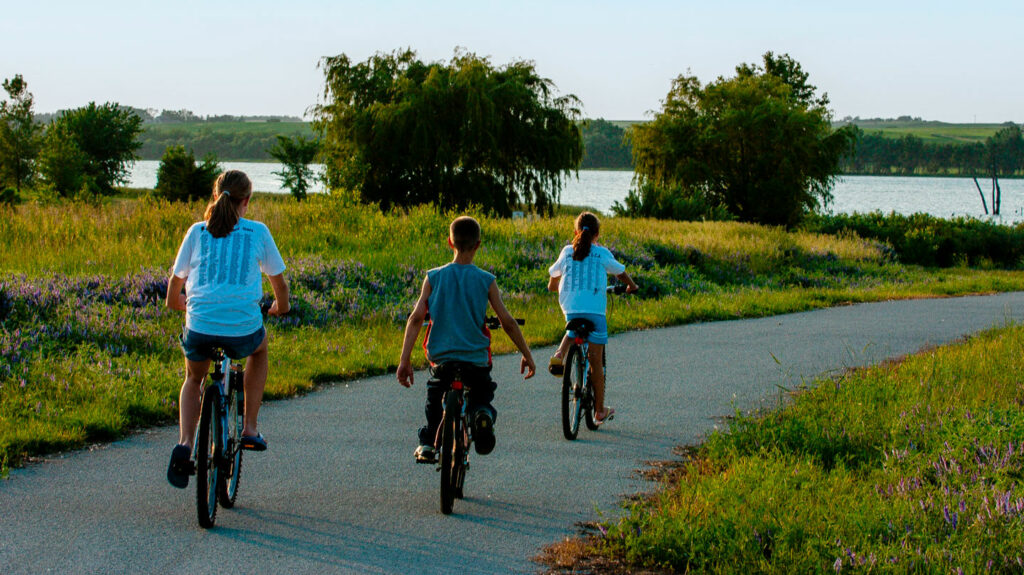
[(456, 296)]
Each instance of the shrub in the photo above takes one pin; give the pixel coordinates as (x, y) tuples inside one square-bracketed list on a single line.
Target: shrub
[(926, 240), (651, 201), (180, 179)]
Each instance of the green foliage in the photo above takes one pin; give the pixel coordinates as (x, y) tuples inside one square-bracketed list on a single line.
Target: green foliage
[(605, 146), (296, 154), (228, 141), (180, 179), (909, 468), (62, 163), (1004, 152), (9, 197), (106, 136), (759, 144), (19, 135), (403, 132), (926, 240), (651, 201)]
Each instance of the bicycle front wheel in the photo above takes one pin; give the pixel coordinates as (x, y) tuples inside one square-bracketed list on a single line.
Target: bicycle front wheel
[(232, 468), (573, 385), (207, 445), (451, 466)]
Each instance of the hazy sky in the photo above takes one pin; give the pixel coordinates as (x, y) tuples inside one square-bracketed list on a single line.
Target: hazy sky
[(953, 61)]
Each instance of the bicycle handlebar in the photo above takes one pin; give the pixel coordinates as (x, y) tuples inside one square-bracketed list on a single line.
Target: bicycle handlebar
[(616, 289)]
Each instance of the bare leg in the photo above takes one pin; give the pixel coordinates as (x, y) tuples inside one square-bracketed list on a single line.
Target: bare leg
[(256, 367), (562, 347), (595, 353), (188, 400)]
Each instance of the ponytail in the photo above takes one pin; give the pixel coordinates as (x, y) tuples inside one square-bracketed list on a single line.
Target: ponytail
[(229, 191), (587, 227)]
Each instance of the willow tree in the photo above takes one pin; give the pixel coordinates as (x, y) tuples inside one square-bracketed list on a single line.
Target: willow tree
[(402, 132), (760, 144)]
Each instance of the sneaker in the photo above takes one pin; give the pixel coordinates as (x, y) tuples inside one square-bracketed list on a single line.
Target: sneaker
[(181, 467), (555, 366), (425, 454), (483, 432)]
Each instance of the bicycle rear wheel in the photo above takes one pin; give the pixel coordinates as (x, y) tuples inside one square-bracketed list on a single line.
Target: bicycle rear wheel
[(573, 383), (450, 465), (231, 472), (590, 401), (207, 445)]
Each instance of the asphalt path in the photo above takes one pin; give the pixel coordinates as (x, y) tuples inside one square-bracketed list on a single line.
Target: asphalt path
[(338, 491)]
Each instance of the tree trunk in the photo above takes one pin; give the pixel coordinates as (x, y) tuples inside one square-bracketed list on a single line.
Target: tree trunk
[(982, 194)]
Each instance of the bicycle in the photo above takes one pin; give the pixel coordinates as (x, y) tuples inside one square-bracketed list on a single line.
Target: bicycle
[(578, 400), (217, 454), (454, 435)]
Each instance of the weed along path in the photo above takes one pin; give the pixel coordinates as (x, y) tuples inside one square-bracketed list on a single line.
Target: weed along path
[(338, 491)]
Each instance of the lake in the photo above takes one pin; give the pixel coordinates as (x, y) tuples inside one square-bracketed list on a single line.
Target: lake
[(943, 197)]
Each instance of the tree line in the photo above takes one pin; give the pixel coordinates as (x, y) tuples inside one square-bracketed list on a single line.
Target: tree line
[(1002, 154)]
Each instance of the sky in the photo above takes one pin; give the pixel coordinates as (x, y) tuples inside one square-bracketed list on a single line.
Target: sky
[(950, 61)]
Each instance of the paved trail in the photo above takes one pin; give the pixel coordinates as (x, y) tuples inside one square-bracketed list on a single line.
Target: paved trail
[(338, 491)]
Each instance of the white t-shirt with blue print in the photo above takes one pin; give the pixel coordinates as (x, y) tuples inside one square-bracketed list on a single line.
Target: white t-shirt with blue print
[(583, 283), (224, 285)]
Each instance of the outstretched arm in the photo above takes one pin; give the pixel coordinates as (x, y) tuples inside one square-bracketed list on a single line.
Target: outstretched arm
[(631, 286), (412, 331), (175, 298), (508, 323)]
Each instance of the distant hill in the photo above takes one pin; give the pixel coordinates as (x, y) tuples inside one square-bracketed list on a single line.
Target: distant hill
[(930, 132)]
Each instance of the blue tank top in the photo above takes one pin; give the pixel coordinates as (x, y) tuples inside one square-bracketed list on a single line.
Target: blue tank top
[(458, 308)]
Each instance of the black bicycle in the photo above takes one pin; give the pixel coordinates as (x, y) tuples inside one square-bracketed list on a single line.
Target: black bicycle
[(454, 435), (218, 445), (578, 402)]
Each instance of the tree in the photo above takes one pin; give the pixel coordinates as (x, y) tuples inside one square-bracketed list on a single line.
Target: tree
[(107, 136), (402, 132), (19, 136), (760, 144), (180, 179), (296, 154), (604, 146), (62, 163)]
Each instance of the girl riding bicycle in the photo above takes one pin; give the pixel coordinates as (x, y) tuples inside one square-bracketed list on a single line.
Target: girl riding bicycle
[(219, 265), (579, 277)]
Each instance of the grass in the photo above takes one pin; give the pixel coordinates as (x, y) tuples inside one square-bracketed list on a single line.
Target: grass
[(931, 131), (88, 353), (910, 467)]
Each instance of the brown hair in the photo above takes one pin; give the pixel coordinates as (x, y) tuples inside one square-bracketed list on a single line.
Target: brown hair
[(587, 227), (464, 232), (229, 191)]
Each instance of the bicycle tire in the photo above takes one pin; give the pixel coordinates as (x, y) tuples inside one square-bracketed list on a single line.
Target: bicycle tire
[(232, 470), (572, 379), (590, 401), (449, 473), (207, 472), (460, 459)]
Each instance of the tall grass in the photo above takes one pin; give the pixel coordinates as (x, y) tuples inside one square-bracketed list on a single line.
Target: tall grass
[(87, 351), (906, 467)]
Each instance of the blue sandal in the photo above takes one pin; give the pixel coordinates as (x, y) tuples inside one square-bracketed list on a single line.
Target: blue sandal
[(254, 442)]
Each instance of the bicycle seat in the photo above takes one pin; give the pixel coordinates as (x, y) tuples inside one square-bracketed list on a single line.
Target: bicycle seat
[(580, 326), (461, 370)]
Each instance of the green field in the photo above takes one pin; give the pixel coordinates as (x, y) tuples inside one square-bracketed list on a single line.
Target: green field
[(88, 352), (929, 131)]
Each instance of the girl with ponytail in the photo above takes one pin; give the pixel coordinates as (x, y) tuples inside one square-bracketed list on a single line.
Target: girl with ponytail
[(580, 278), (220, 265)]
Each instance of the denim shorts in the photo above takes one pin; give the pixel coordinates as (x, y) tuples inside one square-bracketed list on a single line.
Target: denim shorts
[(600, 333), (199, 346)]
